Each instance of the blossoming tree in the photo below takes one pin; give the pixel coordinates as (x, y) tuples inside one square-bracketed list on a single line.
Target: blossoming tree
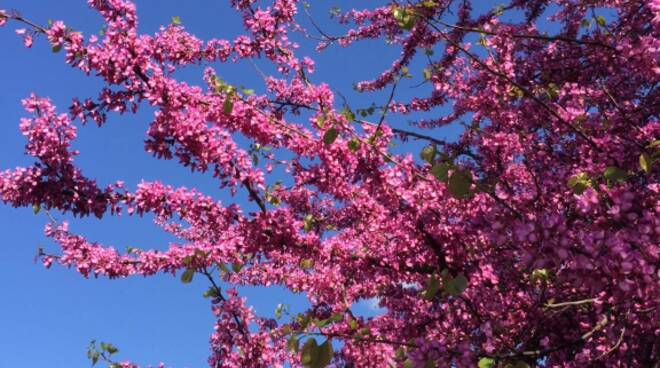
[(530, 240)]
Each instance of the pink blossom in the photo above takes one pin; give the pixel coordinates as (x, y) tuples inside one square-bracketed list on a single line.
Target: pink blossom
[(536, 226), (3, 17)]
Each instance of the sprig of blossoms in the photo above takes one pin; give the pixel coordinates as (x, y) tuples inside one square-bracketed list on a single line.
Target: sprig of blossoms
[(533, 237)]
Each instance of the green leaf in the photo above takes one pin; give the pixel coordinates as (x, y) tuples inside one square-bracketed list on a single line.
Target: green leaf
[(95, 357), (428, 153), (236, 267), (228, 106), (499, 10), (218, 84), (540, 274), (653, 144), (292, 343), (398, 13), (482, 41), (111, 349), (354, 145), (579, 183), (432, 287), (334, 11), (308, 223), (91, 349), (247, 92), (36, 208), (187, 276), (304, 321), (404, 18), (348, 114), (645, 162), (309, 352), (459, 184), (441, 171), (322, 323), (210, 293), (457, 285), (408, 364), (176, 20), (306, 264), (600, 20), (486, 362), (57, 48), (320, 120), (615, 174), (516, 92), (281, 308), (579, 188), (332, 319), (427, 73), (324, 355), (274, 200), (330, 136), (552, 91)]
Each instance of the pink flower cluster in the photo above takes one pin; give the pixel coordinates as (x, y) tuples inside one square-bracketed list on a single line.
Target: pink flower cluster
[(533, 239)]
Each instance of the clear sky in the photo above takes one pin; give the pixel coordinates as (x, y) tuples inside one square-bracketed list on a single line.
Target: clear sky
[(47, 317)]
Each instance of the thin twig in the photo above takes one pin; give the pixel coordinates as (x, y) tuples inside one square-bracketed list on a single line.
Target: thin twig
[(541, 353), (616, 346), (572, 303), (529, 36), (524, 89), (218, 291)]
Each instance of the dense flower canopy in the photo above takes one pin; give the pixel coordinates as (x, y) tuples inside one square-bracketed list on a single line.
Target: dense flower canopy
[(530, 240)]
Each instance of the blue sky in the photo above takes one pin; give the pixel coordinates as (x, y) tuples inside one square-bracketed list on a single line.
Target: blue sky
[(49, 316)]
